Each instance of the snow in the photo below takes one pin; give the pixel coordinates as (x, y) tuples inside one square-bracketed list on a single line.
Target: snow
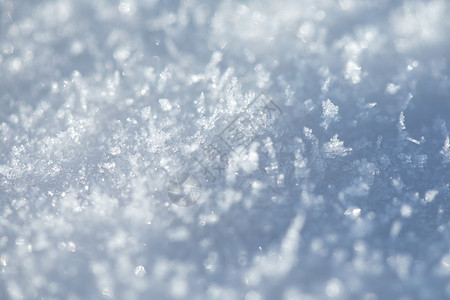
[(335, 147), (330, 113), (308, 141)]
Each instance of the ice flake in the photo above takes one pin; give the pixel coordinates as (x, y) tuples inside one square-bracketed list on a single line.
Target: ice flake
[(335, 148), (445, 152), (330, 113)]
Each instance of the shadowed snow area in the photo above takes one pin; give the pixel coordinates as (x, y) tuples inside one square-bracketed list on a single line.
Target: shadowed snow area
[(224, 149)]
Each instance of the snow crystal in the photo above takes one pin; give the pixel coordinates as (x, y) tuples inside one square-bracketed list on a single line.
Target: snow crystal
[(329, 113), (335, 147)]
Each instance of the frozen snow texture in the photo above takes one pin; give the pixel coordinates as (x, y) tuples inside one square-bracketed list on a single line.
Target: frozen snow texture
[(337, 189)]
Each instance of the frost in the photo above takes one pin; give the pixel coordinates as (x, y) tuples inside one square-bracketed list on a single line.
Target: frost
[(224, 149)]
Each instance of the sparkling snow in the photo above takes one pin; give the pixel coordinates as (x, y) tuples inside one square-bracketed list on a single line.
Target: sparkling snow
[(314, 135)]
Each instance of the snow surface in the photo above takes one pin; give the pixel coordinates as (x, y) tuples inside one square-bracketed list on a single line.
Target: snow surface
[(319, 131)]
